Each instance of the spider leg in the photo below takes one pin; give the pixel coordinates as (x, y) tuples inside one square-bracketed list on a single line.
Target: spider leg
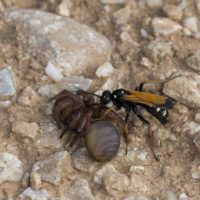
[(107, 112)]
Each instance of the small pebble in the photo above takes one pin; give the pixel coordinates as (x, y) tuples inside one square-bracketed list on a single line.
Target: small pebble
[(183, 196), (106, 170), (191, 24), (79, 190), (114, 1), (11, 168), (7, 83), (154, 3), (64, 8), (116, 183), (143, 33), (105, 70), (24, 129), (53, 72), (165, 26), (173, 12), (122, 15), (193, 61), (171, 195), (27, 97), (184, 89), (197, 117), (31, 194)]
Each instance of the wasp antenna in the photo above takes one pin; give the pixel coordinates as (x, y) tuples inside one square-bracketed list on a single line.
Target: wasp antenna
[(87, 92)]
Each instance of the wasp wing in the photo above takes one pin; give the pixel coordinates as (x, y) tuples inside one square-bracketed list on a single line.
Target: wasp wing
[(149, 99)]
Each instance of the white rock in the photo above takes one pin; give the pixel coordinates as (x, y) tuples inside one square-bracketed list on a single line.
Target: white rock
[(79, 190), (28, 193), (184, 89), (5, 103), (191, 24), (116, 183), (51, 169), (35, 180), (157, 49), (53, 72), (165, 26), (173, 12), (197, 117), (154, 3), (171, 195), (193, 61), (114, 1), (82, 161), (73, 83), (7, 83), (183, 196), (48, 140), (73, 48), (11, 168), (24, 129), (46, 90), (109, 84), (64, 8), (122, 14), (144, 33), (106, 170), (191, 128), (27, 97), (105, 70)]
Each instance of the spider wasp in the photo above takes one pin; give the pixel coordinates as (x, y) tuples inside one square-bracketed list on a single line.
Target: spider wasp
[(156, 105)]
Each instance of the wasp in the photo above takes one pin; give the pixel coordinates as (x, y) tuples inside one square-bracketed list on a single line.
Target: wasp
[(129, 100)]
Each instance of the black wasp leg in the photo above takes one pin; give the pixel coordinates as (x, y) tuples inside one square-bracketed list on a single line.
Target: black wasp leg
[(135, 110), (150, 141)]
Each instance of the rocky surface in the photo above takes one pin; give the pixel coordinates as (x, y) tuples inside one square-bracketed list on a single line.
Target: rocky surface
[(48, 46), (62, 41)]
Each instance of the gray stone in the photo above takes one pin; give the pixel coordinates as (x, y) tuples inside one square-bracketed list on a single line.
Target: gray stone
[(7, 83), (70, 46), (193, 61), (191, 128), (73, 83), (171, 195), (184, 89), (191, 23), (173, 12), (48, 140), (5, 104), (122, 15), (46, 90), (31, 194), (157, 50), (11, 168), (24, 129), (82, 161), (154, 3), (65, 8), (116, 183), (52, 168), (105, 70), (27, 97), (79, 190), (106, 170), (113, 1), (165, 26)]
